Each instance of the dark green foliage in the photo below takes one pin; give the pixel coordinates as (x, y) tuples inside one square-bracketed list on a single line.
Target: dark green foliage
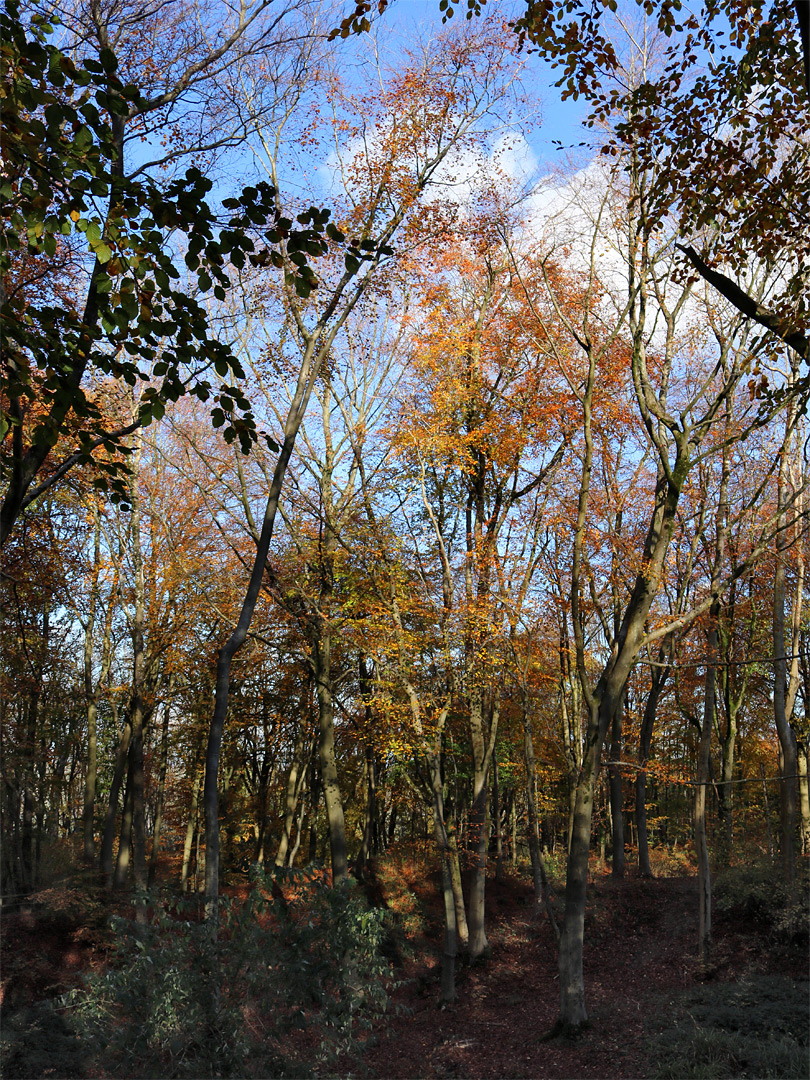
[(173, 1002), (89, 282), (757, 1029), (753, 896)]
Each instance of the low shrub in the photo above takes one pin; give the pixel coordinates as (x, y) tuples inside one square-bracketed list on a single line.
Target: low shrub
[(175, 1002), (732, 1031), (754, 893)]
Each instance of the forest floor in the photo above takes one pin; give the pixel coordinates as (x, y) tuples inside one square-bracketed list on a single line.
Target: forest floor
[(640, 962), (640, 958)]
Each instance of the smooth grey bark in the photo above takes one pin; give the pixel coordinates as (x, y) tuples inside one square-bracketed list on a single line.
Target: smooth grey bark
[(138, 708), (462, 929), (497, 811), (532, 822)]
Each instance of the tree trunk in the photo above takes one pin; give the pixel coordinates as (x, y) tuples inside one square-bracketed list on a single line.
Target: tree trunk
[(369, 817), (804, 796), (164, 758), (616, 794), (322, 661), (191, 826), (479, 818), (108, 839), (295, 781), (659, 678), (448, 984), (533, 825), (573, 1014), (497, 809), (782, 696), (462, 930), (125, 836), (702, 783)]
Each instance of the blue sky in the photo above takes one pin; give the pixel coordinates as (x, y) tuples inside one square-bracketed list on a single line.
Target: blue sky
[(560, 119)]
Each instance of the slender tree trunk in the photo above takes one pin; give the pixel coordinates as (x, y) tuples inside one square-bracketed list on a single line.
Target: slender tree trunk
[(125, 837), (767, 805), (191, 826), (322, 660), (164, 760), (369, 816), (659, 678), (89, 809), (138, 708), (497, 810), (299, 828), (307, 373), (448, 983), (616, 794), (92, 688), (573, 1014), (782, 696), (533, 826), (479, 819), (804, 797), (704, 760), (108, 839), (462, 930), (295, 782)]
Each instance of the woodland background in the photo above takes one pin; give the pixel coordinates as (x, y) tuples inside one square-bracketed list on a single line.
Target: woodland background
[(388, 497)]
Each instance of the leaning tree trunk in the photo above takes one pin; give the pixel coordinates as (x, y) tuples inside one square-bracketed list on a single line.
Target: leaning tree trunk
[(307, 371)]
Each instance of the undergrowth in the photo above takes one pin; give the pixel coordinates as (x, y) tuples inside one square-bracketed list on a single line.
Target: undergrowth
[(732, 1031), (753, 895), (175, 1002)]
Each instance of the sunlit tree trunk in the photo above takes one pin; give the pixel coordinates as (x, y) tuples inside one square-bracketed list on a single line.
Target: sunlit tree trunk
[(295, 785)]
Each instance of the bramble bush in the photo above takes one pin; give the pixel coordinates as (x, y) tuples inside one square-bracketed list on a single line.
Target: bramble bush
[(174, 1002)]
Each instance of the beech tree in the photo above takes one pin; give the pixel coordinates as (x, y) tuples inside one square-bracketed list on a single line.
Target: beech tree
[(433, 107)]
